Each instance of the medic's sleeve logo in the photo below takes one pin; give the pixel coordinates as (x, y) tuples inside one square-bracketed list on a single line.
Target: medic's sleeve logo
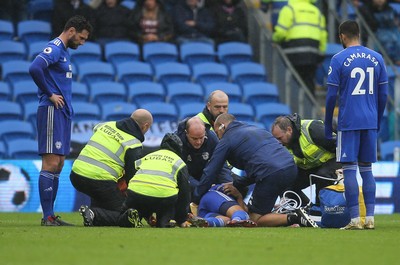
[(330, 70), (47, 50)]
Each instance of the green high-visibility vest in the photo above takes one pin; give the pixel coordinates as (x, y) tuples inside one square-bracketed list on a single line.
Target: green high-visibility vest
[(314, 155), (103, 156), (205, 120), (156, 174)]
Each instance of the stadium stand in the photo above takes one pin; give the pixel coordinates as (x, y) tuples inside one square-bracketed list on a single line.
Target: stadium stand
[(132, 72), (266, 113), (117, 110), (146, 92), (10, 111), (11, 50), (231, 89), (387, 150), (16, 129), (6, 30), (22, 149), (104, 92), (231, 53), (210, 72), (184, 92), (193, 53)]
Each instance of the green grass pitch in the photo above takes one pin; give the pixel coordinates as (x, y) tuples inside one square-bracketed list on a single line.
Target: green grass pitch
[(24, 241)]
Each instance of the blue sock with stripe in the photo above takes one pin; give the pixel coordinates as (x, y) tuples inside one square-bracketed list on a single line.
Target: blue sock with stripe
[(56, 180), (351, 189), (46, 180), (240, 215), (368, 188), (215, 222)]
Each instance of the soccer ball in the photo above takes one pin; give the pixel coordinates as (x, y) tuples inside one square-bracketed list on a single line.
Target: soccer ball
[(14, 188)]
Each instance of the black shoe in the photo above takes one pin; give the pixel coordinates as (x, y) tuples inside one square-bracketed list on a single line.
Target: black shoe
[(49, 221), (87, 215), (241, 223), (196, 221), (134, 218), (304, 219), (60, 222)]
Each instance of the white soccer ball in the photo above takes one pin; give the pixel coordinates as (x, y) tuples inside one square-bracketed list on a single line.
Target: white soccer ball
[(14, 188)]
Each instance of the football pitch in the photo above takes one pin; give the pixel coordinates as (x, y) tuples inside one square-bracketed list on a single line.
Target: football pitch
[(24, 241)]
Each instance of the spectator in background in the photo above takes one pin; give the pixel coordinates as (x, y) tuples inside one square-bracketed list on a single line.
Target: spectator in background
[(230, 21), (274, 6), (112, 22), (193, 23), (64, 9), (150, 22), (385, 22), (302, 34)]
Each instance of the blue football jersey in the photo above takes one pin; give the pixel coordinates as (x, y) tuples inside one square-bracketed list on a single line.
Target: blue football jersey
[(58, 75), (358, 72)]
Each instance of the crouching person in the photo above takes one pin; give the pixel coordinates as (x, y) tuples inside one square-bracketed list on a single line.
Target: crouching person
[(161, 185)]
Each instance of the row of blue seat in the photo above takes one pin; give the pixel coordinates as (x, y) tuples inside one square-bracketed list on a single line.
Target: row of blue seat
[(146, 91), (165, 73), (120, 51)]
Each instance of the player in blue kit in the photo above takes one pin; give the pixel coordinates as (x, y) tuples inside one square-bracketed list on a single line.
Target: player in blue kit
[(266, 163), (219, 209), (52, 72), (359, 75)]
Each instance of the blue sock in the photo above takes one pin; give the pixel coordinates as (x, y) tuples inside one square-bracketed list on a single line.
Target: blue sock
[(56, 180), (46, 192), (215, 222), (351, 189), (240, 215), (368, 188)]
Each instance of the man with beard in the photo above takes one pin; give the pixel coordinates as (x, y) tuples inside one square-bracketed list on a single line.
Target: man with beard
[(52, 72), (312, 152)]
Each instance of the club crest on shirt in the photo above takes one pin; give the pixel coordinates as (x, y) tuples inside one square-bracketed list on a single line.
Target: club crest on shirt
[(205, 155), (189, 158), (58, 145), (330, 70), (48, 50)]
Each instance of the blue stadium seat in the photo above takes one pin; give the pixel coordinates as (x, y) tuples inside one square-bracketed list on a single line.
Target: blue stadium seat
[(267, 113), (25, 91), (33, 30), (189, 109), (35, 48), (114, 111), (145, 92), (161, 111), (159, 52), (104, 92), (242, 111), (231, 53), (260, 92), (255, 123), (3, 150), (117, 52), (248, 72), (22, 149), (132, 72), (193, 53), (89, 52), (86, 111), (11, 51), (92, 72), (184, 92), (5, 91), (30, 112), (15, 129), (80, 92), (128, 4), (231, 89), (10, 111), (14, 71), (168, 73), (41, 10), (208, 73), (387, 150), (6, 30)]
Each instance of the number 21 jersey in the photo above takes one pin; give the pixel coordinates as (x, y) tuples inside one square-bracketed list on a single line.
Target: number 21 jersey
[(358, 73)]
